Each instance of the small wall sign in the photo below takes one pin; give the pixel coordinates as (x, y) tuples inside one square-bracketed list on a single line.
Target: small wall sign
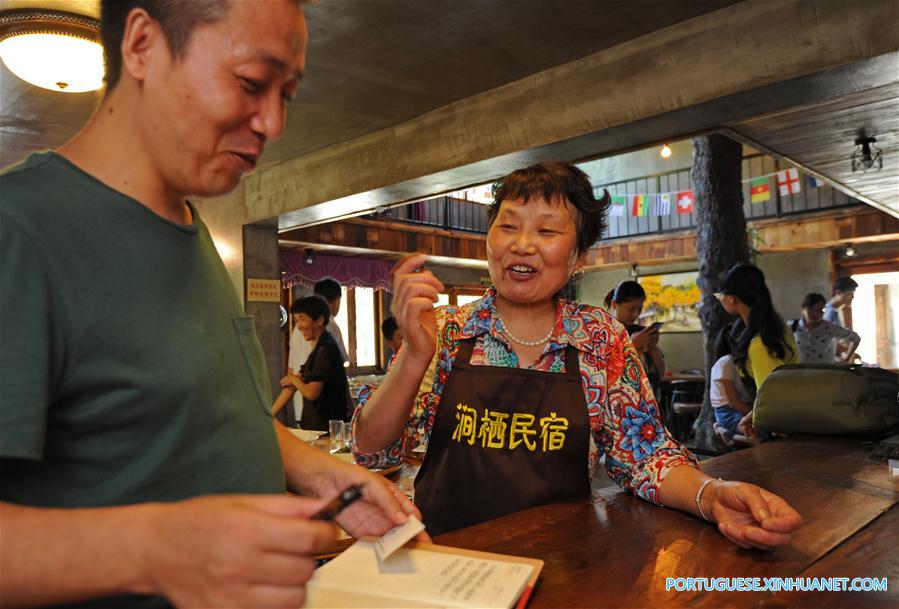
[(263, 290)]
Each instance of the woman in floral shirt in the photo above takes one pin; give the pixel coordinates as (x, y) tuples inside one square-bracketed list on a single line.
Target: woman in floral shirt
[(517, 394)]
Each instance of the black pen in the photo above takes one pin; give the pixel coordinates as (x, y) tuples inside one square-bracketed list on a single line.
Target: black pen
[(337, 505)]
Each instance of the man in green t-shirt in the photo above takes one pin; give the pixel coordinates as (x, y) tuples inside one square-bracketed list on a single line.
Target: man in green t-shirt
[(141, 463)]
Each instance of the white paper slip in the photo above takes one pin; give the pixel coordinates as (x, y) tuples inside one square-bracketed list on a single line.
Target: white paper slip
[(396, 538), (306, 435), (436, 577)]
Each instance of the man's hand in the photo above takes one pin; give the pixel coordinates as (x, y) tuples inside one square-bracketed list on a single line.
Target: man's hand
[(382, 507), (233, 551), (313, 472)]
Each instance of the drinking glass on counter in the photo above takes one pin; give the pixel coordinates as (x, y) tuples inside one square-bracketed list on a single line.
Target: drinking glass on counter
[(337, 432)]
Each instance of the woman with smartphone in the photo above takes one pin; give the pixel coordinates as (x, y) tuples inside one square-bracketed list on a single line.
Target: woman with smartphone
[(625, 303)]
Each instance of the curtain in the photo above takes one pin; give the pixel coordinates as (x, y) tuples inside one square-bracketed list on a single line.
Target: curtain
[(348, 271)]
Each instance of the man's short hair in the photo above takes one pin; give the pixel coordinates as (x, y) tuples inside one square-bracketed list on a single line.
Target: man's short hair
[(313, 306), (389, 327), (845, 284), (327, 289), (813, 298), (177, 18)]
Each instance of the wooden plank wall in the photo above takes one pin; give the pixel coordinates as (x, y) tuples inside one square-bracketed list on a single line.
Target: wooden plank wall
[(785, 234)]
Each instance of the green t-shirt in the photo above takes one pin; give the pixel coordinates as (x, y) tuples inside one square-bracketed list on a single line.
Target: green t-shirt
[(128, 370)]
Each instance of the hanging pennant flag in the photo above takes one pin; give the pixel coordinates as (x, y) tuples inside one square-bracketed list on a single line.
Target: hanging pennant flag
[(616, 210), (788, 182), (814, 182), (685, 202), (759, 192), (641, 205), (662, 205)]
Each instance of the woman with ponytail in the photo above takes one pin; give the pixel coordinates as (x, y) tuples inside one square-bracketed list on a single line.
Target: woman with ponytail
[(625, 303), (764, 341)]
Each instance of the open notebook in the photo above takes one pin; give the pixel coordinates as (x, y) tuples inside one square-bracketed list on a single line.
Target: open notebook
[(422, 575)]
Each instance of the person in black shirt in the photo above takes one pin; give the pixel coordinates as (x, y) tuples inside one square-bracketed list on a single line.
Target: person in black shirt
[(322, 380)]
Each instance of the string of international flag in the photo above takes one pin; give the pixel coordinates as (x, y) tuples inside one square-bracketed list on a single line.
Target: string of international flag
[(659, 204)]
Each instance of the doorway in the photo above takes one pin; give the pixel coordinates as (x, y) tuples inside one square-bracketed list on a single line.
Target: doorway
[(874, 317)]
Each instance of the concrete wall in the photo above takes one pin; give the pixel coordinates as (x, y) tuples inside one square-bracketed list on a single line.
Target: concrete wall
[(682, 349), (643, 163), (639, 164), (790, 276)]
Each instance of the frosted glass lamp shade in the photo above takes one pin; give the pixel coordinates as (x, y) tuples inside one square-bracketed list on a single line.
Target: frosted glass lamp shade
[(56, 51)]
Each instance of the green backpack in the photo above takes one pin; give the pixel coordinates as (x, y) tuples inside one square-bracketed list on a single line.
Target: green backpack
[(828, 399)]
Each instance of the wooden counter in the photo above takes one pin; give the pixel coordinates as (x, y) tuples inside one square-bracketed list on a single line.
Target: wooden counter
[(617, 550)]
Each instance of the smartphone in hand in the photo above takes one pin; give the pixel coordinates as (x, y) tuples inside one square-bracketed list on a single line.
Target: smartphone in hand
[(656, 325)]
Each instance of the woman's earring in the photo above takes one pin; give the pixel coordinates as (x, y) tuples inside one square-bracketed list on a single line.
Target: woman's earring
[(578, 274)]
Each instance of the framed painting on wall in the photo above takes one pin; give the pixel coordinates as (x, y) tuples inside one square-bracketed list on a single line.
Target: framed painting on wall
[(674, 299)]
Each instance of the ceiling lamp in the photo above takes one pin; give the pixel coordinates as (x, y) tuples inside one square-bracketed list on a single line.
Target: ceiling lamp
[(866, 156), (52, 49), (665, 151)]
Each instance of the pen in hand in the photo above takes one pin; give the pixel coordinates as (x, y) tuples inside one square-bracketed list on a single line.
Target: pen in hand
[(334, 507)]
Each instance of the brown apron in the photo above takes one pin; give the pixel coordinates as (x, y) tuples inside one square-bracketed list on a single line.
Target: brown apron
[(504, 439)]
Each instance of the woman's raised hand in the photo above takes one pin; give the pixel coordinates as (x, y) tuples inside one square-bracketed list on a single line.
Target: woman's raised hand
[(414, 294)]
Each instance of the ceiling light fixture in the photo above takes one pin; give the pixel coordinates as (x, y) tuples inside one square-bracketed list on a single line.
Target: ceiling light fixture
[(866, 155), (665, 151), (52, 49)]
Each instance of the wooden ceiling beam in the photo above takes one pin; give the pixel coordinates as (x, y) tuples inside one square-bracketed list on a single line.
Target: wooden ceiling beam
[(395, 237)]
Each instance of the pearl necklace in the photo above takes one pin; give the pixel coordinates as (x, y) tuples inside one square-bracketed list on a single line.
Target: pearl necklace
[(527, 343)]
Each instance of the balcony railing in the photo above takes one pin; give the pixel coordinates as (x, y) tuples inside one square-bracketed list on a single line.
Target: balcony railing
[(811, 196), (450, 213), (445, 212)]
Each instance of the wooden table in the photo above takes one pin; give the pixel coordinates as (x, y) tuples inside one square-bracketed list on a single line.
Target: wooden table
[(617, 550)]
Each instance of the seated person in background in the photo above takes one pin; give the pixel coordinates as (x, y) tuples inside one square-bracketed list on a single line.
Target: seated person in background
[(731, 402), (843, 293), (322, 380), (518, 393), (393, 336), (819, 341), (764, 342), (625, 303)]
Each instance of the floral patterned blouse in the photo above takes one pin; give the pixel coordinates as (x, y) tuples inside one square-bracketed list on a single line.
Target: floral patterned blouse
[(624, 416)]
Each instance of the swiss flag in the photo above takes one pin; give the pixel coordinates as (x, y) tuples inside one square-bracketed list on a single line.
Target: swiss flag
[(685, 202)]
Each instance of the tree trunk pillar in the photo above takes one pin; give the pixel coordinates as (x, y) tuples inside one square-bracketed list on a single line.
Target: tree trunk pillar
[(721, 242)]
